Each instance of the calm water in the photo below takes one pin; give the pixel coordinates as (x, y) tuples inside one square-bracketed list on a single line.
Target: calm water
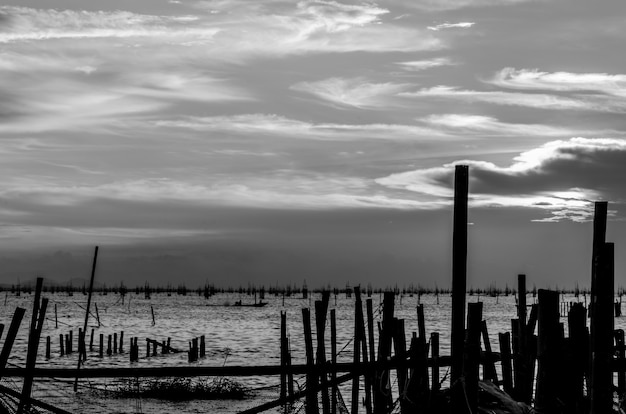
[(234, 336)]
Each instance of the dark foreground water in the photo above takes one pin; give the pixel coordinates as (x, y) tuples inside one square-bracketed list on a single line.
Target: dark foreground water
[(234, 336)]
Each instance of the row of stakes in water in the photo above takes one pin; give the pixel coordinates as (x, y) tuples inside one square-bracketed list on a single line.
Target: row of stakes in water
[(197, 347)]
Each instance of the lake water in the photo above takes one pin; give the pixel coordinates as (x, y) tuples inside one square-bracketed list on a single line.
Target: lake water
[(234, 336)]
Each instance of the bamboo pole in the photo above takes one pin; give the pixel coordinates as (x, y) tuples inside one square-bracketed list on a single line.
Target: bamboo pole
[(311, 379), (602, 326), (459, 284), (81, 336)]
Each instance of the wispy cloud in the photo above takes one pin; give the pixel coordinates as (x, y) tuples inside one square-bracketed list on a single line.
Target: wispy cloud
[(460, 25), (533, 79), (355, 92), (279, 126), (27, 24), (488, 125), (560, 177), (532, 100), (417, 65)]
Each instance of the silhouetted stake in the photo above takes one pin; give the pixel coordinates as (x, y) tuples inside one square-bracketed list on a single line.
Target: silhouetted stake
[(97, 314), (1, 329), (61, 346), (91, 340), (48, 347), (434, 349), (38, 316), (370, 328), (109, 343), (602, 326), (472, 355), (81, 334), (101, 350), (548, 352), (459, 285), (522, 371), (56, 320), (152, 310), (311, 379), (283, 356), (358, 321), (321, 309), (333, 360), (121, 342), (399, 342), (382, 387), (421, 327), (579, 345), (489, 366), (202, 346), (620, 351), (10, 339), (505, 354), (599, 238)]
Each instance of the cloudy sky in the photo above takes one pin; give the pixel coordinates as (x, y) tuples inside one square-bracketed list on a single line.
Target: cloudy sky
[(271, 141)]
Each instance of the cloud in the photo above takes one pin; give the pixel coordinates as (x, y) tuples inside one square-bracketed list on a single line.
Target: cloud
[(488, 125), (443, 5), (27, 24), (461, 25), (559, 177), (285, 189), (271, 29), (355, 92), (532, 100), (279, 126), (533, 79), (417, 65)]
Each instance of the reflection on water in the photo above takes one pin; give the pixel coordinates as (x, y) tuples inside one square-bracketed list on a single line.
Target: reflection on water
[(234, 336)]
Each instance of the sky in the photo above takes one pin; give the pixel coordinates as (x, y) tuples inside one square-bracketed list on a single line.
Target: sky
[(276, 142)]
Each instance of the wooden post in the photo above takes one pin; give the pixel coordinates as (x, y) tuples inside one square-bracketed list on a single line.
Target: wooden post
[(283, 356), (599, 236), (109, 341), (434, 349), (602, 326), (358, 320), (421, 327), (70, 342), (38, 316), (399, 341), (333, 360), (459, 286), (61, 345), (56, 320), (101, 350), (382, 386), (91, 340), (546, 398), (472, 354), (121, 342), (18, 315), (579, 344), (48, 347), (620, 351), (505, 355), (321, 309), (311, 379), (489, 367), (81, 335)]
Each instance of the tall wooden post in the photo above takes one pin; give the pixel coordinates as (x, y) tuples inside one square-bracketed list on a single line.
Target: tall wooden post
[(599, 238), (321, 309), (546, 398), (602, 325), (472, 354), (333, 360), (311, 406), (39, 313), (81, 336), (459, 285)]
